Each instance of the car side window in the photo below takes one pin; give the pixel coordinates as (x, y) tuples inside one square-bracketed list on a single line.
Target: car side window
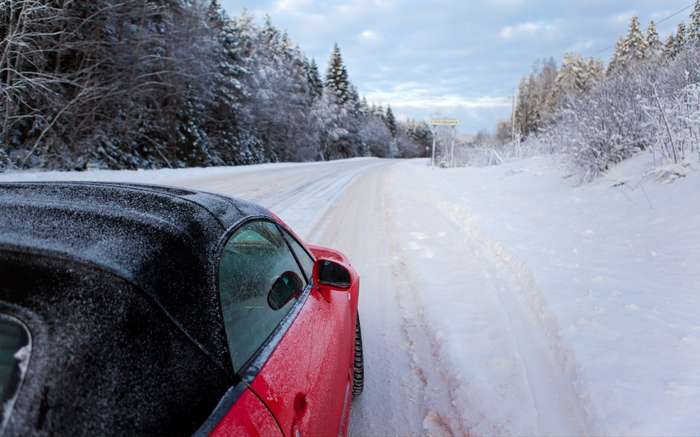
[(259, 282), (306, 261)]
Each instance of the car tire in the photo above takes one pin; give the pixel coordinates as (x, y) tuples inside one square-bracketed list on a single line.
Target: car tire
[(358, 368)]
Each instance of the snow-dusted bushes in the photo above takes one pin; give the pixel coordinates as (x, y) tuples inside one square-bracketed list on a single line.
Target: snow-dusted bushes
[(481, 155), (647, 107), (648, 99), (673, 109), (604, 126)]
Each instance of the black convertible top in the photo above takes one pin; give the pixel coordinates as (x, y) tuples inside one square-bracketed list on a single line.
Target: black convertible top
[(120, 253)]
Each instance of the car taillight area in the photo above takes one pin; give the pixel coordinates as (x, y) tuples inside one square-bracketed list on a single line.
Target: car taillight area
[(15, 348)]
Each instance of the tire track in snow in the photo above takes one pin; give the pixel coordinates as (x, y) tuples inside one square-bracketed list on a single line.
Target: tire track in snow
[(540, 372), (441, 417), (525, 307)]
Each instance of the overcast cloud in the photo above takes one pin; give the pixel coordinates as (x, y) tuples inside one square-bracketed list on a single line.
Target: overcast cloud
[(453, 58)]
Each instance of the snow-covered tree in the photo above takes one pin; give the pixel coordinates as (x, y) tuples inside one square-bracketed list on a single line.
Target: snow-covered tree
[(337, 81), (670, 47), (631, 50), (617, 61), (152, 83), (315, 82), (635, 45), (680, 39), (694, 26), (576, 76), (654, 46), (391, 121)]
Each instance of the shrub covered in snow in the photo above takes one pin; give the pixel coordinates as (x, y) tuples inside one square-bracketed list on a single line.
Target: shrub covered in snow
[(648, 99)]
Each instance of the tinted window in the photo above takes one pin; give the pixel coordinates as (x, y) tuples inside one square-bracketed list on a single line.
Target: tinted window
[(14, 354), (255, 264), (307, 263)]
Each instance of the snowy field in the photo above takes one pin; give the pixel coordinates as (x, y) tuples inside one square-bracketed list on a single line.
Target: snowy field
[(500, 300)]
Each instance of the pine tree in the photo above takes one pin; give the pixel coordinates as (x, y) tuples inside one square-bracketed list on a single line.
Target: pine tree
[(634, 47), (617, 61), (670, 47), (390, 121), (365, 110), (694, 27), (654, 45), (680, 40), (215, 15), (315, 82), (337, 81)]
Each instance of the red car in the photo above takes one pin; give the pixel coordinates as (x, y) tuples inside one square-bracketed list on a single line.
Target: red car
[(141, 310)]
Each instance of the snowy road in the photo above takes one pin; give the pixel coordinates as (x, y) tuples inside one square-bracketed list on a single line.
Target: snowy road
[(498, 301)]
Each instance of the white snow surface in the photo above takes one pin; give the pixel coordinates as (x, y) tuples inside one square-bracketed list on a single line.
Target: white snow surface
[(501, 300)]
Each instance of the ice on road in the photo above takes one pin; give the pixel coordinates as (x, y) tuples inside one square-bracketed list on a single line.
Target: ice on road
[(499, 301)]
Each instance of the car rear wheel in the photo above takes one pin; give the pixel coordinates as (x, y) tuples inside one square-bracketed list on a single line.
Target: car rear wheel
[(358, 371)]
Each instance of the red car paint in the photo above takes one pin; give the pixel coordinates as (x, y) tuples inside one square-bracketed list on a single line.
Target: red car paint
[(248, 417), (305, 387)]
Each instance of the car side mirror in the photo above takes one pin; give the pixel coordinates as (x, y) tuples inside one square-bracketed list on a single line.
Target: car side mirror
[(288, 286), (333, 275)]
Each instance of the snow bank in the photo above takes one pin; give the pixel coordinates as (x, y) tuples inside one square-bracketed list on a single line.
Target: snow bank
[(558, 309), (163, 176)]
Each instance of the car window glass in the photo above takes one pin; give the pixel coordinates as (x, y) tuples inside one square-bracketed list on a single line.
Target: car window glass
[(256, 263), (306, 261), (14, 355)]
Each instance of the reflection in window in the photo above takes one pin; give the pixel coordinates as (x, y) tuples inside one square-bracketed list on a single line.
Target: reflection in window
[(254, 258)]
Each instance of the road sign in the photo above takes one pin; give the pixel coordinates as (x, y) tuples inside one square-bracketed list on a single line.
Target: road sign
[(450, 123), (445, 122)]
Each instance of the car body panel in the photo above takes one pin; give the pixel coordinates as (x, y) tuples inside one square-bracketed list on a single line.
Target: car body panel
[(303, 378), (248, 416)]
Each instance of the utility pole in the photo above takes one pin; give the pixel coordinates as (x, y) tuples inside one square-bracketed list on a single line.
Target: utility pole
[(516, 136), (513, 133)]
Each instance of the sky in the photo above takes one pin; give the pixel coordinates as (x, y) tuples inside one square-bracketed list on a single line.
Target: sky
[(449, 58)]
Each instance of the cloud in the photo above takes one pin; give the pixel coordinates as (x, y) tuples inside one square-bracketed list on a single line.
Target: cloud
[(623, 18), (414, 95), (369, 35), (506, 4), (292, 6), (527, 29)]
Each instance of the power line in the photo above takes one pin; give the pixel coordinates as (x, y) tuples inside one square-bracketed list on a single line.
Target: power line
[(663, 20)]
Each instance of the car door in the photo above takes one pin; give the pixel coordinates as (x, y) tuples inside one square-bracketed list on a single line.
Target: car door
[(307, 382), (286, 351)]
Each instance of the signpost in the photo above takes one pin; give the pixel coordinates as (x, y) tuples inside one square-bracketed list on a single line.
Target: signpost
[(449, 123)]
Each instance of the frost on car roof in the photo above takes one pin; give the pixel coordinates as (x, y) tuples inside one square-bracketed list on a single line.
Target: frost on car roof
[(116, 284), (163, 240), (105, 360)]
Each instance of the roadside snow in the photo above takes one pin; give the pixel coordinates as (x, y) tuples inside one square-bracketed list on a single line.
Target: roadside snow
[(558, 309), (162, 176)]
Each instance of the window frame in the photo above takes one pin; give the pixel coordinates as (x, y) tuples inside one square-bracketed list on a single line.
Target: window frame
[(251, 367), (287, 236)]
